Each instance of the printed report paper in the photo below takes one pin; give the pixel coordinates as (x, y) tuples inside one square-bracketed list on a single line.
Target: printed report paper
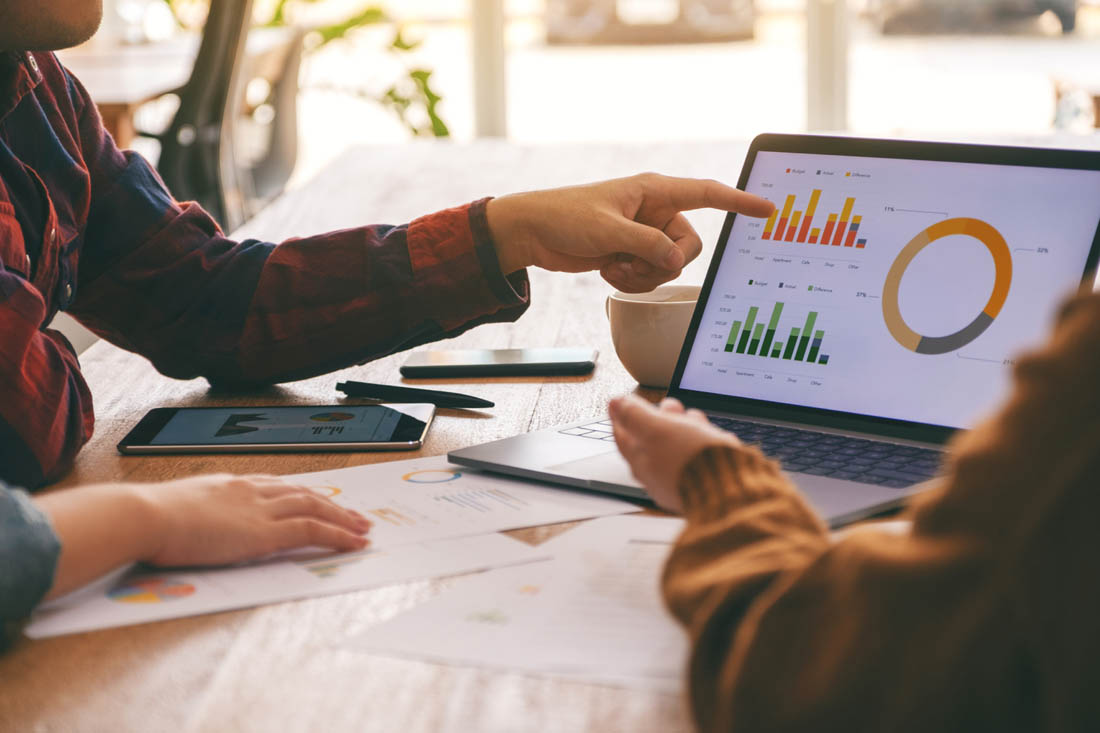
[(430, 519), (142, 595), (429, 498), (592, 613)]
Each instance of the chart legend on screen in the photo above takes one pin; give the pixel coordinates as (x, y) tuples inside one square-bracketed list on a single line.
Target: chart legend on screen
[(796, 225), (753, 339)]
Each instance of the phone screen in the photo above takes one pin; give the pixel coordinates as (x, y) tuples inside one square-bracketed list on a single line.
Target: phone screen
[(282, 425)]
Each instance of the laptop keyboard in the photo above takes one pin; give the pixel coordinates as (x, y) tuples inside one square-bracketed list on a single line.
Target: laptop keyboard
[(820, 454), (597, 431)]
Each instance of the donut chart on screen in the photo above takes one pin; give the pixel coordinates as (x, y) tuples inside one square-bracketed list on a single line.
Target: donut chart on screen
[(1002, 260)]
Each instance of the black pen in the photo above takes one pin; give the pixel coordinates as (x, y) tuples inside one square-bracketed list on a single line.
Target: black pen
[(391, 393)]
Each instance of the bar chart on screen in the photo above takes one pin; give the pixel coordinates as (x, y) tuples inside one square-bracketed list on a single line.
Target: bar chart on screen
[(788, 223), (753, 337), (890, 287)]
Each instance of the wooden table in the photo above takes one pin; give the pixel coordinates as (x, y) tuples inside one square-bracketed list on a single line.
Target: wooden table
[(285, 667)]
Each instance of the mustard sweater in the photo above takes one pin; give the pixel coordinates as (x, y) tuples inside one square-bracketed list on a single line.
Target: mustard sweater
[(985, 617)]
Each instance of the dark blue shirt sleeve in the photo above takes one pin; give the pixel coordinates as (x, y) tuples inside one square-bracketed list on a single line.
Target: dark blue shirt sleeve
[(29, 550)]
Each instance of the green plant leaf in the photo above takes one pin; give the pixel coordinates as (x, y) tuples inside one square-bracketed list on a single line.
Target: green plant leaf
[(422, 77), (400, 43), (370, 16), (406, 95)]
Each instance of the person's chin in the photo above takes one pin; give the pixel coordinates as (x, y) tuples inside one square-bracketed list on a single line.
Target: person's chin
[(62, 33), (72, 34)]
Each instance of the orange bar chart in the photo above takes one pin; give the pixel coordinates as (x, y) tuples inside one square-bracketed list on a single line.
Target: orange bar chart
[(810, 211), (829, 226), (842, 225), (788, 224), (783, 219), (851, 240), (770, 226), (793, 226)]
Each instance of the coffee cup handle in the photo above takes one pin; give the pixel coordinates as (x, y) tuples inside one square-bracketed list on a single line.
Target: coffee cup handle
[(607, 307)]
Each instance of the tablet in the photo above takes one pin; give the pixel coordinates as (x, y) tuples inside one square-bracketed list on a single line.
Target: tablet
[(275, 429)]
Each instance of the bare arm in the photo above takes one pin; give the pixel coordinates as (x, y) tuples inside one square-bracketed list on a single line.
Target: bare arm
[(207, 520)]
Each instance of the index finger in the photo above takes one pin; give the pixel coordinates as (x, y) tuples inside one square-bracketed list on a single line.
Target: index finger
[(698, 193)]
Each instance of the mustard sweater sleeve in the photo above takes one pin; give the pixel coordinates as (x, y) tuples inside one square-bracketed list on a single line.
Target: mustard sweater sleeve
[(983, 617)]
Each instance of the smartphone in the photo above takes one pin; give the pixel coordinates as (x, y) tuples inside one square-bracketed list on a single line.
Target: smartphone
[(262, 429), (500, 363)]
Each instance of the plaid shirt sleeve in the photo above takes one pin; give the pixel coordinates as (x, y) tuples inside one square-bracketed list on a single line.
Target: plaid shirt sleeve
[(159, 278)]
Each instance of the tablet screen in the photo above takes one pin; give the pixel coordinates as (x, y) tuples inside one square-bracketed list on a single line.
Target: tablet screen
[(893, 288), (280, 425)]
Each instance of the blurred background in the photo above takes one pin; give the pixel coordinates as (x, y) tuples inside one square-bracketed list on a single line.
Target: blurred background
[(673, 70), (238, 101)]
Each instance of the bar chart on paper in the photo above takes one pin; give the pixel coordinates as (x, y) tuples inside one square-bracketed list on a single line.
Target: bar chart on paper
[(754, 337), (788, 224)]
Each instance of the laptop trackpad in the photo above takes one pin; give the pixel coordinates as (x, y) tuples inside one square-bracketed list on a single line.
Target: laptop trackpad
[(608, 468)]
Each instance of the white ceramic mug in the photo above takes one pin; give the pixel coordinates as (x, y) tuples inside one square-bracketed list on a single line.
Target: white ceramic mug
[(648, 330)]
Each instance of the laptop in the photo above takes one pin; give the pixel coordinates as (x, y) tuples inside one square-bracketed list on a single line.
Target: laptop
[(879, 311)]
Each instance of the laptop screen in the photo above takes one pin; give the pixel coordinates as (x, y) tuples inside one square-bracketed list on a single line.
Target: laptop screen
[(888, 287)]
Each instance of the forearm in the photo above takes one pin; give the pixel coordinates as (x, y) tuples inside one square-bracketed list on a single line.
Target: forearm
[(198, 304), (159, 278), (740, 509), (747, 528), (100, 528), (375, 291), (790, 632)]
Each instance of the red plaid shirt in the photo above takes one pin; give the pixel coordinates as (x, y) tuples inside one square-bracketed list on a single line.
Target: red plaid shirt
[(89, 229)]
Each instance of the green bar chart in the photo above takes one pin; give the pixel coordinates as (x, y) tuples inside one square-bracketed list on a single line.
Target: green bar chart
[(747, 331), (804, 343)]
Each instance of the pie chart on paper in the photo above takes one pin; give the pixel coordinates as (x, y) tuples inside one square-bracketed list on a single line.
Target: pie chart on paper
[(150, 590)]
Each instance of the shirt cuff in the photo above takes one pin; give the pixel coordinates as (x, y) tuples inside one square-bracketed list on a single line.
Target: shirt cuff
[(29, 550), (511, 289), (455, 262)]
